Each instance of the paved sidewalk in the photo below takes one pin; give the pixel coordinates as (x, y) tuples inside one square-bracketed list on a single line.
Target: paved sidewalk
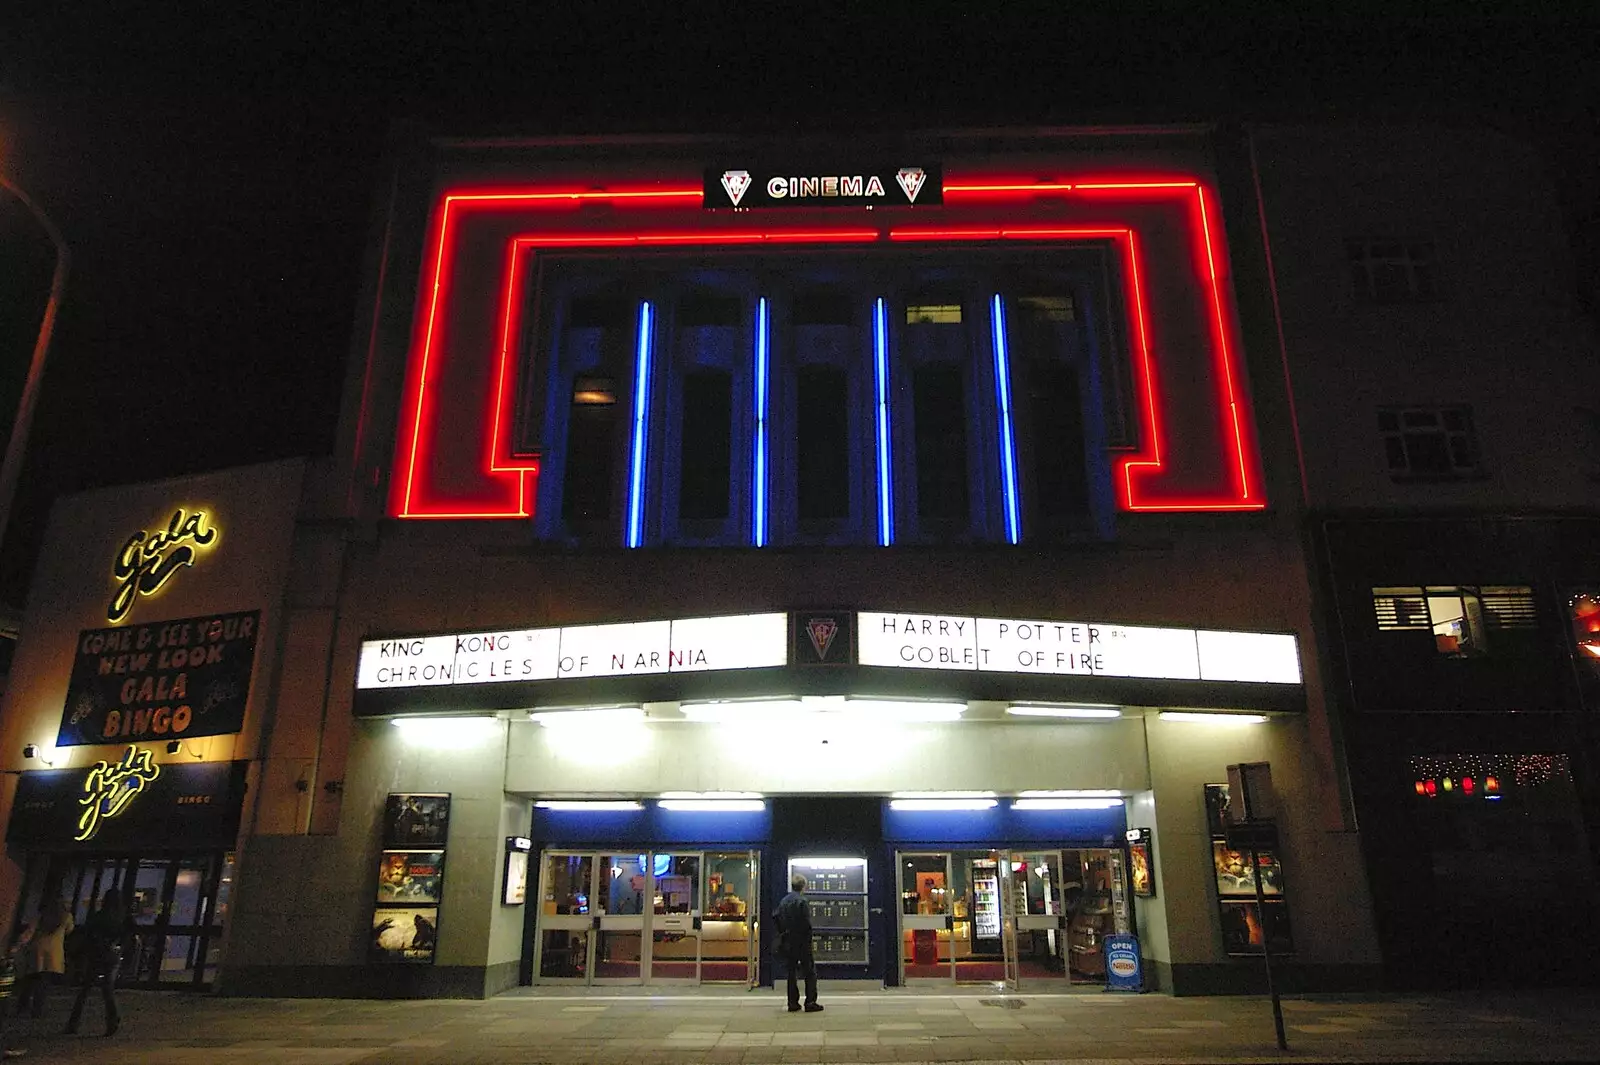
[(877, 1026)]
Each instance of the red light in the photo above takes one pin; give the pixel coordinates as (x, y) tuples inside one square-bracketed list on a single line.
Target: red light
[(1466, 785), (1431, 787), (413, 496)]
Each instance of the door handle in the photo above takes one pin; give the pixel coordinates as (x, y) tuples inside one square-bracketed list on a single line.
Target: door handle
[(877, 911)]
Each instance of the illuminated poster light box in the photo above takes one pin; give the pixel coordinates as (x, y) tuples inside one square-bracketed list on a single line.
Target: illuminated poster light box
[(1094, 649), (744, 641)]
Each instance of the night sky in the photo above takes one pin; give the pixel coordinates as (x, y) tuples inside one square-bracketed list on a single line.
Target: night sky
[(213, 173)]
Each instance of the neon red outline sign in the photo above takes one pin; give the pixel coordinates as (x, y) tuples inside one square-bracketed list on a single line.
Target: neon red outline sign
[(488, 235)]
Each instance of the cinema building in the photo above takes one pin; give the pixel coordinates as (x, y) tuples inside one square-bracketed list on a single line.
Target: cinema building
[(919, 514)]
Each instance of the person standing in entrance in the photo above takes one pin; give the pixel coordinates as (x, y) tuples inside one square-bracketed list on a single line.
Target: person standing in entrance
[(105, 929), (794, 944)]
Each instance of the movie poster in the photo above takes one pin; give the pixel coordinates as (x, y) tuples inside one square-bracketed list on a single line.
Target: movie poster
[(1217, 809), (1234, 876), (516, 888), (1140, 865), (1236, 886), (410, 878), (404, 935), (1241, 927), (416, 821)]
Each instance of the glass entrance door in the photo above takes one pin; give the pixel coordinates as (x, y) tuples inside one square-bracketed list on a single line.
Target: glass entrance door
[(729, 936), (1019, 917), (566, 917), (925, 918), (657, 917), (675, 921), (977, 938), (1038, 915), (176, 905), (622, 896)]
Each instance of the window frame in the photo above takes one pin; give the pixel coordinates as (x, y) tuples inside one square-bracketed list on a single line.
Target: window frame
[(663, 522), (1417, 257), (1485, 608), (1395, 438), (852, 355), (969, 353)]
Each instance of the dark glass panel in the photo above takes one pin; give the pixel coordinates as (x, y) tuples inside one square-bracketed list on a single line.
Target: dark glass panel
[(706, 449), (822, 444)]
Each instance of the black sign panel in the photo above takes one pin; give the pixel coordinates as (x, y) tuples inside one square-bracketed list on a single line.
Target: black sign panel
[(823, 638), (192, 806), (160, 681), (741, 185)]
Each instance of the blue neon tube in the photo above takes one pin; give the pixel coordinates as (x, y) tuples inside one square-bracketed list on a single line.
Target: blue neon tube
[(641, 421), (758, 475), (880, 355), (1008, 447)]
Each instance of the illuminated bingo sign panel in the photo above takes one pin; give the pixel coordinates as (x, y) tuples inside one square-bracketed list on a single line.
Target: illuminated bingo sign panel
[(1195, 448), (1075, 648), (164, 680), (642, 648)]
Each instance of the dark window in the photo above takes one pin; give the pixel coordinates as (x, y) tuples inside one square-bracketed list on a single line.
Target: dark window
[(1391, 271), (601, 312), (1429, 442), (591, 451), (823, 306), (706, 451), (700, 309), (822, 444), (1060, 483), (940, 420)]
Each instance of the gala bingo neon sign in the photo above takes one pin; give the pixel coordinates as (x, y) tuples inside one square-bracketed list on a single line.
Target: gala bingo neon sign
[(149, 560), (111, 786)]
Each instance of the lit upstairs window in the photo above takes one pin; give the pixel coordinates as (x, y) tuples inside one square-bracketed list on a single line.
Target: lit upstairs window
[(1432, 443), (1583, 617), (1392, 271), (1460, 617)]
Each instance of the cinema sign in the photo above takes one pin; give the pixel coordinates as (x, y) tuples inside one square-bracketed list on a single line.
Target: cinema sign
[(841, 186)]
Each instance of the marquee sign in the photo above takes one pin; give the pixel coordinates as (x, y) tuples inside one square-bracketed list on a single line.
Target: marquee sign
[(691, 645), (813, 638), (1090, 649), (847, 186)]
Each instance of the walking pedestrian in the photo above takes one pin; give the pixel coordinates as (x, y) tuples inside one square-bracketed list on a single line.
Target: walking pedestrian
[(8, 986), (106, 929), (794, 944), (49, 955)]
